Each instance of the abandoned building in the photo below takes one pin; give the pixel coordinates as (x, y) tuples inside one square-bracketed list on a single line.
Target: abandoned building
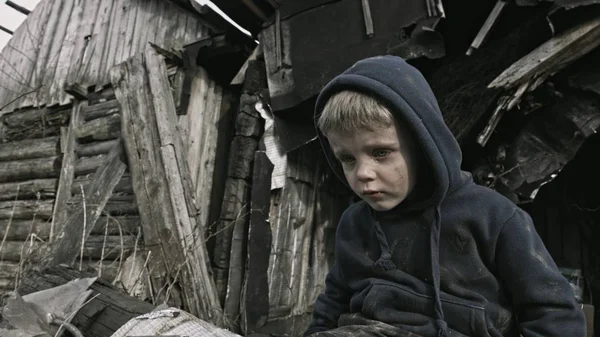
[(155, 145)]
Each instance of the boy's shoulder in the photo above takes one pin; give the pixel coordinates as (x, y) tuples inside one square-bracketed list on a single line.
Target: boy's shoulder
[(483, 202)]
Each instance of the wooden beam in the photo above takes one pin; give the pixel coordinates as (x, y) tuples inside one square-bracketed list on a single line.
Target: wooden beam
[(79, 226), (17, 7), (26, 209), (29, 189), (77, 91), (30, 148), (28, 169), (102, 128), (6, 30), (67, 172)]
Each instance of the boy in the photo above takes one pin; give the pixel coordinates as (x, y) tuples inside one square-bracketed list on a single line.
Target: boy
[(426, 252)]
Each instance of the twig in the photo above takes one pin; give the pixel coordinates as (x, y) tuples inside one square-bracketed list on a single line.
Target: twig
[(103, 247), (84, 225), (12, 212), (18, 97)]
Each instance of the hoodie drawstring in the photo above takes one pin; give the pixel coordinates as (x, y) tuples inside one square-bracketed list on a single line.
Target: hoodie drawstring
[(385, 260), (435, 271)]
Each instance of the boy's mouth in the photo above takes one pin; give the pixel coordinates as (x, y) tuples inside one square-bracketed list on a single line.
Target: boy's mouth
[(372, 194)]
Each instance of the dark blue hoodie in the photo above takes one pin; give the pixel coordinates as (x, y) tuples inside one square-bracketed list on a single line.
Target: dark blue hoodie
[(458, 260)]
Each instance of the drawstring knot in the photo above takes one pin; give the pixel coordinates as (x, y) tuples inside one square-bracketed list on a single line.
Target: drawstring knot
[(385, 260), (385, 264), (443, 328)]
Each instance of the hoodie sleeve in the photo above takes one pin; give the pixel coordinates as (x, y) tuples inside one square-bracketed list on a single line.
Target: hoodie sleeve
[(542, 297), (333, 302)]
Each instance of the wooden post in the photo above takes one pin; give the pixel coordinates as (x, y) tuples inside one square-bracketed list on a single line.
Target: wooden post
[(161, 182), (69, 240), (255, 303)]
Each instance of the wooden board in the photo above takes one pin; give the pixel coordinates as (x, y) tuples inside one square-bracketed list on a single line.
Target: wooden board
[(83, 220), (161, 181), (254, 303)]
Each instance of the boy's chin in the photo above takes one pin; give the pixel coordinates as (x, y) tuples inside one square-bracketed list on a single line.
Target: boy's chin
[(382, 206)]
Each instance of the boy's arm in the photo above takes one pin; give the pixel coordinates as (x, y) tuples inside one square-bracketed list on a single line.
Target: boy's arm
[(330, 304), (542, 297)]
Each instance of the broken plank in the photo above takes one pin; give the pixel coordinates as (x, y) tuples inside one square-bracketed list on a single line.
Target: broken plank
[(63, 192), (66, 244), (124, 185), (30, 189), (551, 56), (30, 148)]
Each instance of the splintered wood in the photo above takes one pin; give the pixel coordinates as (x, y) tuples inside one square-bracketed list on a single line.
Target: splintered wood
[(162, 183)]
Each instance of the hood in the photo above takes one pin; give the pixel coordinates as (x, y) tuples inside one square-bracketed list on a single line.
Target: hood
[(408, 96)]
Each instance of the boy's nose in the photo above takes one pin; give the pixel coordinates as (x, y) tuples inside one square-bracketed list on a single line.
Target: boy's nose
[(365, 172)]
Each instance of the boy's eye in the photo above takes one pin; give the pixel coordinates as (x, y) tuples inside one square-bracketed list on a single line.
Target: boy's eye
[(381, 153), (346, 159)]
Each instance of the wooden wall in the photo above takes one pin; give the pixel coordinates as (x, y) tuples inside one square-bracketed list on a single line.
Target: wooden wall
[(75, 41)]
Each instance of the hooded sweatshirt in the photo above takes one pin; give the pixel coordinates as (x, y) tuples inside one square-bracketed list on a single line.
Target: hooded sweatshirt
[(459, 260)]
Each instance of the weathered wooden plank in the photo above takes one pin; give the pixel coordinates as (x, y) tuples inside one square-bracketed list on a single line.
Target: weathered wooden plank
[(63, 192), (101, 40), (551, 56), (43, 59), (100, 110), (82, 221), (26, 209), (241, 157), (30, 189), (34, 123), (255, 303), (22, 229), (102, 128), (67, 53), (56, 46), (117, 24), (29, 148), (38, 168), (234, 212), (95, 148), (150, 19), (87, 165), (123, 186), (116, 205), (200, 294), (83, 49), (113, 245), (166, 119), (127, 39), (292, 222)]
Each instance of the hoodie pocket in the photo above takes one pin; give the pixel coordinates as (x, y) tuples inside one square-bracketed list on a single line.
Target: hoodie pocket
[(404, 307)]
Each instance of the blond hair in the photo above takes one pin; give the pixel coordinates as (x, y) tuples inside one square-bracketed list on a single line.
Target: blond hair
[(348, 111)]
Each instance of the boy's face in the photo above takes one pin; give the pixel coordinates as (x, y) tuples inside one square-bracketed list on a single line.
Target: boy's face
[(380, 165)]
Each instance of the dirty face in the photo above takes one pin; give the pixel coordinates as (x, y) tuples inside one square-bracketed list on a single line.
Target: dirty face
[(380, 165)]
